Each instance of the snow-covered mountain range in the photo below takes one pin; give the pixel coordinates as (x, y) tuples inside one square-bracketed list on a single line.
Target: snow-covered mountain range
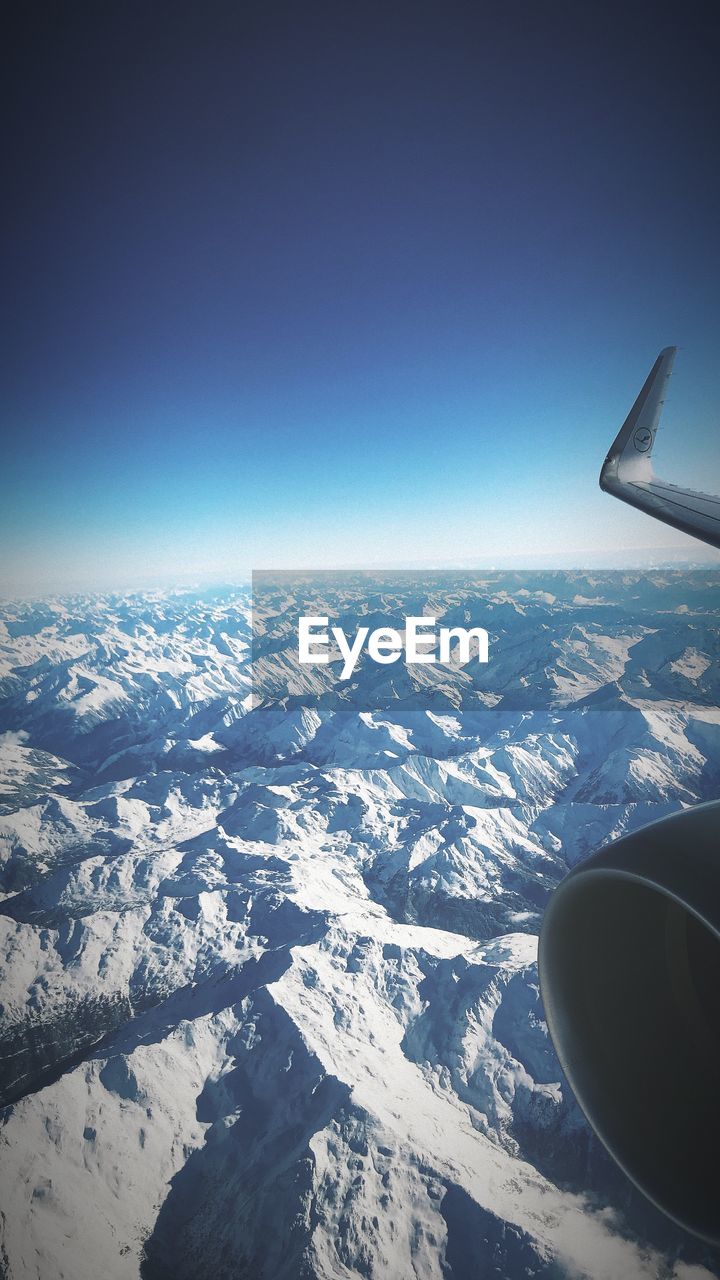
[(268, 974)]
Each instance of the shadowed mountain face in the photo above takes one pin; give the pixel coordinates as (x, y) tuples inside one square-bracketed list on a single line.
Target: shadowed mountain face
[(269, 999)]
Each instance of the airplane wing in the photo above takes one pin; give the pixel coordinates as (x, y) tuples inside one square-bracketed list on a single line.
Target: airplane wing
[(627, 471)]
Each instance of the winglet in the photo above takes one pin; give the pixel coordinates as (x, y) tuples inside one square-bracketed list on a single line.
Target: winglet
[(628, 459), (627, 471)]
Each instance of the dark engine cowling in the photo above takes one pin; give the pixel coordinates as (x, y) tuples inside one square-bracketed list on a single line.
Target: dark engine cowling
[(630, 978)]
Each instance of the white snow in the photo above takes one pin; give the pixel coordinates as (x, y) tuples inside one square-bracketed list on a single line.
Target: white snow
[(280, 963)]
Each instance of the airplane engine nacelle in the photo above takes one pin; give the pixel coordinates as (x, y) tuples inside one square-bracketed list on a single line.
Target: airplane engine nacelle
[(630, 978)]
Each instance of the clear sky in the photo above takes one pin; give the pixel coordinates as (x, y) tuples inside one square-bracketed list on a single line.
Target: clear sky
[(323, 284)]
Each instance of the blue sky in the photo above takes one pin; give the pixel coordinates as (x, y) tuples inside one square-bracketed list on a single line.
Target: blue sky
[(319, 285)]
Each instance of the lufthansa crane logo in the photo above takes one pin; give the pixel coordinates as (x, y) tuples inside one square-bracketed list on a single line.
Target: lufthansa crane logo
[(642, 439)]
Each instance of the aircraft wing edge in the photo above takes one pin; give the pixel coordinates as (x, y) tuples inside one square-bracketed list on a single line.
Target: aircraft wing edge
[(627, 471), (686, 510)]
